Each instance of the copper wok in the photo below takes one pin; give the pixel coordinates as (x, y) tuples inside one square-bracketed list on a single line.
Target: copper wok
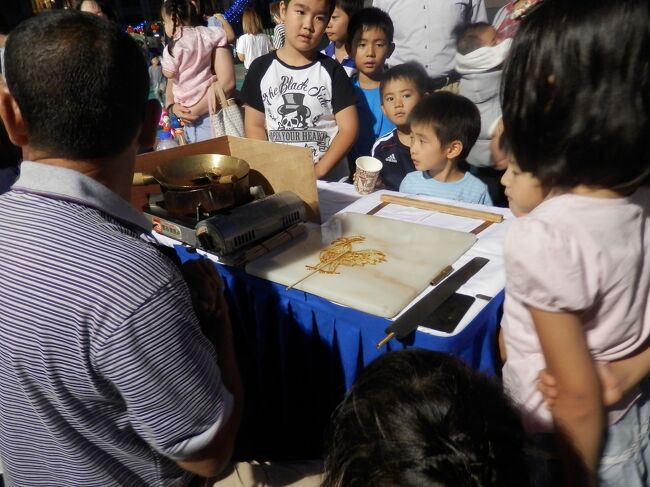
[(200, 183)]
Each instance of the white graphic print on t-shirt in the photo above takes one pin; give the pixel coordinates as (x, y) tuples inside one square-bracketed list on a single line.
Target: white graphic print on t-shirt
[(298, 107)]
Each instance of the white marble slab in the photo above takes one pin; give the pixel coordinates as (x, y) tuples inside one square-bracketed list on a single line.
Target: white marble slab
[(414, 255)]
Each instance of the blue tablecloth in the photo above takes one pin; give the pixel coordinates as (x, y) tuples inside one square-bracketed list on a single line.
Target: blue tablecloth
[(299, 353)]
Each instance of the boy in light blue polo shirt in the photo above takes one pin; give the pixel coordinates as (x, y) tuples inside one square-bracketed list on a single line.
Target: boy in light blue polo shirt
[(444, 127)]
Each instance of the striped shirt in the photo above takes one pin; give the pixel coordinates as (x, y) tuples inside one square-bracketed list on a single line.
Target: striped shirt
[(105, 377), (347, 62), (469, 189)]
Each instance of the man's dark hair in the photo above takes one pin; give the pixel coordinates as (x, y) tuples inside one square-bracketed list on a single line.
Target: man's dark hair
[(452, 117), (350, 7), (576, 93), (468, 36), (370, 18), (83, 92), (417, 417), (411, 71)]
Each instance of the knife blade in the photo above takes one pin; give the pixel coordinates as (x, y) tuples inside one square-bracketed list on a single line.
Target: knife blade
[(412, 317)]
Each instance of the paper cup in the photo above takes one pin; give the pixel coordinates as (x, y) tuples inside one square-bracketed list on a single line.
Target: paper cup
[(366, 174)]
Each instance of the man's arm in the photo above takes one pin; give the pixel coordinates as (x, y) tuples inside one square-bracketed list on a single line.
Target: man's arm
[(206, 289), (578, 412), (348, 125), (254, 123)]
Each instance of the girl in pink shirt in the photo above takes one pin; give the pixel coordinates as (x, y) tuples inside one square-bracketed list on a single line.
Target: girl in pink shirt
[(578, 261), (188, 59)]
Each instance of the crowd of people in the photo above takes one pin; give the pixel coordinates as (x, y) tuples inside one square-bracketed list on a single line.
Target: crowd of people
[(117, 364)]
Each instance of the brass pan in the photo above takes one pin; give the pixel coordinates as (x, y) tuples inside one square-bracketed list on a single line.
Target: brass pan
[(209, 181)]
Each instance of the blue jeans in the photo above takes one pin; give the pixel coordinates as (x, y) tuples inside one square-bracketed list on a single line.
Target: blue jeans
[(625, 459), (200, 130)]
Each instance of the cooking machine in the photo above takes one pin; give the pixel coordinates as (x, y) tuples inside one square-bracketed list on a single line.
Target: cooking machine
[(207, 202)]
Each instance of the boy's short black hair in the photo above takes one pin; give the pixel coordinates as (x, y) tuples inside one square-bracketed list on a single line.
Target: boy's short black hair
[(370, 18), (576, 103), (418, 417), (452, 117), (411, 71), (83, 92), (468, 36), (331, 5), (350, 7)]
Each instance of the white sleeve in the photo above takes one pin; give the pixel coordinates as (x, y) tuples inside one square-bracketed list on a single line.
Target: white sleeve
[(479, 13)]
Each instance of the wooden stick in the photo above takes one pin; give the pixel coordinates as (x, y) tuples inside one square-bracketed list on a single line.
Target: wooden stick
[(449, 209), (385, 340), (318, 268)]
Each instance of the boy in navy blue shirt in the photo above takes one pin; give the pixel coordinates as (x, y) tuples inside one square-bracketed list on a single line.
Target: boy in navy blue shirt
[(370, 38), (401, 88)]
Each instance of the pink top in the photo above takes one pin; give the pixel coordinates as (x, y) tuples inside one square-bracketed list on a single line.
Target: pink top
[(576, 254), (191, 64)]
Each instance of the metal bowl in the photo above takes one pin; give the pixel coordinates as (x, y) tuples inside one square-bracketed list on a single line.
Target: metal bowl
[(201, 171)]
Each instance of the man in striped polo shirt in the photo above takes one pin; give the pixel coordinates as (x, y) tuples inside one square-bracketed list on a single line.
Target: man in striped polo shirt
[(105, 376)]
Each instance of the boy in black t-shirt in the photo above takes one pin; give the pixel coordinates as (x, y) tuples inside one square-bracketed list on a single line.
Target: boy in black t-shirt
[(297, 95), (401, 88)]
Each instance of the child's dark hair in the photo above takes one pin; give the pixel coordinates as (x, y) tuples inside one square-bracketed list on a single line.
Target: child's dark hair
[(181, 12), (417, 417), (350, 7), (274, 10), (452, 117), (331, 5), (411, 71), (468, 36), (96, 106), (370, 18), (576, 103)]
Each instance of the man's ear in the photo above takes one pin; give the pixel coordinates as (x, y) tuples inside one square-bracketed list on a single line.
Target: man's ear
[(283, 10), (391, 48), (454, 148), (12, 118), (150, 123)]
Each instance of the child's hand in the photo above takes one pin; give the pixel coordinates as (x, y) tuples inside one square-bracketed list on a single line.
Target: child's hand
[(548, 387), (611, 382)]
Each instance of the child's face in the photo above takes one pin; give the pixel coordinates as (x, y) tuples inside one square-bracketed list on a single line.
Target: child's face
[(337, 29), (154, 61), (523, 190), (370, 49), (398, 99), (427, 153), (489, 37), (304, 23)]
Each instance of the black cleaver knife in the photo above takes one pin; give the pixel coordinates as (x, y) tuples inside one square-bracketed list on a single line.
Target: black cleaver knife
[(421, 310)]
